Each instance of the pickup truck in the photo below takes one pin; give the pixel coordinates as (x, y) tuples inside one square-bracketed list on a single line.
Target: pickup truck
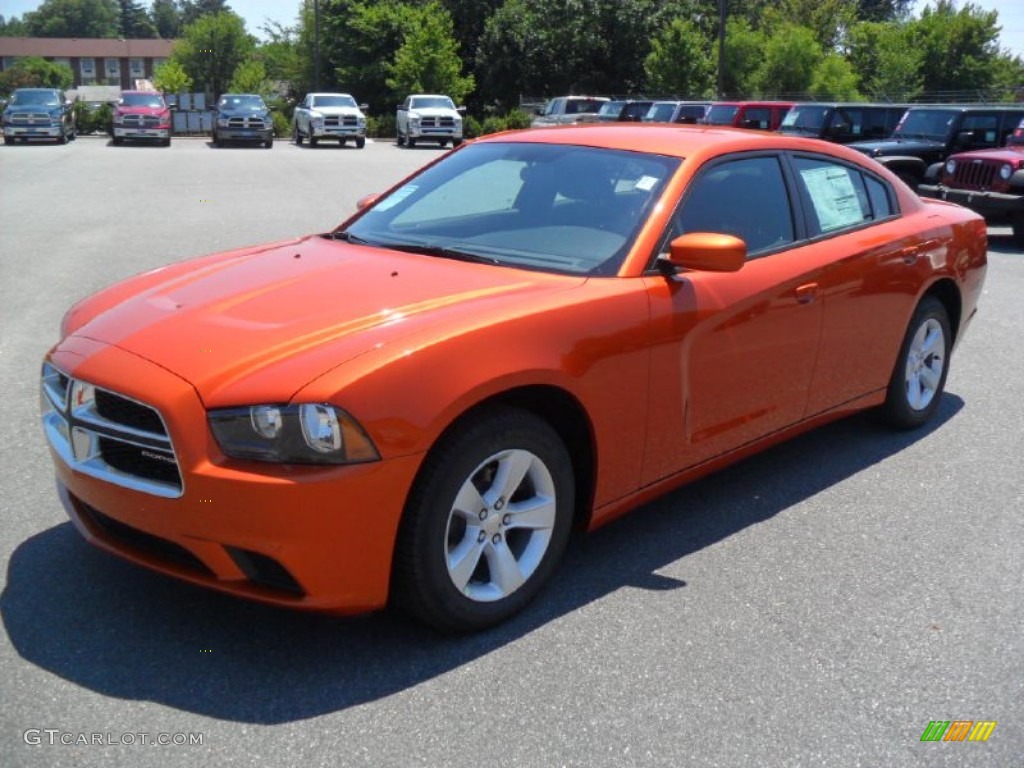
[(329, 116), (429, 116), (38, 113), (569, 110), (142, 115), (242, 117)]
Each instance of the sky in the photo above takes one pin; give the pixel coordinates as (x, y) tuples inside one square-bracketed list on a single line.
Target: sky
[(255, 13)]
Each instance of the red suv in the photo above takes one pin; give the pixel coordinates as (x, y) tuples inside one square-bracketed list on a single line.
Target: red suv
[(763, 115)]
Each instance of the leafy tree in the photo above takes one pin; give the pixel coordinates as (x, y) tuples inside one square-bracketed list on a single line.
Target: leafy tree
[(35, 72), (888, 61), (250, 77), (134, 21), (744, 52), (428, 60), (959, 48), (166, 16), (469, 18), (12, 27), (828, 19), (74, 18), (883, 10), (193, 10), (280, 55), (211, 49), (680, 61), (834, 80), (790, 57), (170, 77)]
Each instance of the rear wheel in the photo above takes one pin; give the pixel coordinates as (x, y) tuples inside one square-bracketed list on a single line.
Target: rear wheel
[(486, 523), (919, 377)]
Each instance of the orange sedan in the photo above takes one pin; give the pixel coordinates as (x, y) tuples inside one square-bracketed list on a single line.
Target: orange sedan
[(538, 331)]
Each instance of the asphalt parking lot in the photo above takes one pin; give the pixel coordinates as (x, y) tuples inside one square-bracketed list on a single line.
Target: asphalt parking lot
[(817, 605)]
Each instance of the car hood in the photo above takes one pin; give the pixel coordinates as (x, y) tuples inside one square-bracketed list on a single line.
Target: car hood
[(142, 111), (1002, 154), (338, 111), (21, 109), (895, 147), (261, 323), (433, 112), (243, 112)]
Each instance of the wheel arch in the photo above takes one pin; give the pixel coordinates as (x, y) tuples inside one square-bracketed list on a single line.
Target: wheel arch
[(948, 294)]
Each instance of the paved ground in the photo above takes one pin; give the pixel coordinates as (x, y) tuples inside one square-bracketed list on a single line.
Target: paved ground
[(815, 606)]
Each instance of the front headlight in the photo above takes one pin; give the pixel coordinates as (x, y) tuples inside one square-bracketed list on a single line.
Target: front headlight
[(1005, 172), (118, 119), (222, 122), (950, 166), (306, 433)]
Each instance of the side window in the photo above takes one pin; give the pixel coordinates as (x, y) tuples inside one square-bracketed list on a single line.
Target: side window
[(757, 117), (984, 129), (839, 196), (746, 198)]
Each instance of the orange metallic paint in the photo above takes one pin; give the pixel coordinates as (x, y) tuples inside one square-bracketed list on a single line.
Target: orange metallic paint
[(677, 375)]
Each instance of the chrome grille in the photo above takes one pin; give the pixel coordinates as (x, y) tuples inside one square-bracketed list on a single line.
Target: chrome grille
[(31, 118), (143, 121), (107, 435), (975, 174), (246, 122), (437, 122), (335, 121)]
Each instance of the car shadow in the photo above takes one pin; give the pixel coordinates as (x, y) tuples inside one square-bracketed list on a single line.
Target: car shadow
[(123, 631)]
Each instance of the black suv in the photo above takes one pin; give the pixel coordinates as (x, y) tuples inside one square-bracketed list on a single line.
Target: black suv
[(38, 113), (243, 117), (930, 134), (842, 123)]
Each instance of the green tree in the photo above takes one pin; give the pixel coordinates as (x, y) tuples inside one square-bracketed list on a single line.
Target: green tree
[(74, 18), (959, 47), (790, 57), (428, 59), (887, 59), (834, 80), (744, 52), (883, 10), (134, 21), (828, 19), (250, 77), (35, 72), (680, 61), (166, 16), (170, 77), (193, 10), (12, 27), (280, 56), (211, 49)]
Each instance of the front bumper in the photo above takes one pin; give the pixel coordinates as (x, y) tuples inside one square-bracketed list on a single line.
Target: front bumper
[(33, 131), (995, 206), (245, 134), (338, 132), (434, 133), (303, 537), (141, 133)]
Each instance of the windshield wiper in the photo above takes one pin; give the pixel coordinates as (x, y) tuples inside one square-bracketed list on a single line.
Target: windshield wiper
[(441, 251), (348, 237)]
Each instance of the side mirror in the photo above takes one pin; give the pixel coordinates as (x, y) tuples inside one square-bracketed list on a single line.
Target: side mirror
[(964, 138), (364, 107), (400, 107), (366, 202), (461, 110), (538, 110), (705, 252)]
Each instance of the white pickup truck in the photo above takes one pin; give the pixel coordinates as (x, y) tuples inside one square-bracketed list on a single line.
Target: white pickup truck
[(429, 116), (329, 116)]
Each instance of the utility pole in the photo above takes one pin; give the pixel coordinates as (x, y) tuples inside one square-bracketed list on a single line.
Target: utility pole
[(721, 49), (316, 45)]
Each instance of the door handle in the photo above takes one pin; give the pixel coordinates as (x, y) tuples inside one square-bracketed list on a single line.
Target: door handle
[(806, 293), (909, 254)]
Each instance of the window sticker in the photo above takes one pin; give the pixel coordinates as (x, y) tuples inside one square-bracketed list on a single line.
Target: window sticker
[(396, 197), (834, 197), (646, 183)]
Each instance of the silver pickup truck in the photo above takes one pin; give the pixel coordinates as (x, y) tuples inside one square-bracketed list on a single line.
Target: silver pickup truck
[(429, 116), (334, 116)]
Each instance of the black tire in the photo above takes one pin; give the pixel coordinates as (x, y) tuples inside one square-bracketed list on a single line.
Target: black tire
[(116, 139), (411, 142), (360, 142), (167, 142), (442, 143), (62, 139), (919, 376), (297, 135), (341, 142), (269, 143), (400, 140), (469, 462), (910, 181), (313, 140), (456, 142), (1018, 230)]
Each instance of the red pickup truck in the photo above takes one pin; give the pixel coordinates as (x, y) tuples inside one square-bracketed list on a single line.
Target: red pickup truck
[(142, 115)]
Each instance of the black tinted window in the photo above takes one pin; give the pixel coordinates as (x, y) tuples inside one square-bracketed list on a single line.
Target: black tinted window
[(746, 198), (881, 200)]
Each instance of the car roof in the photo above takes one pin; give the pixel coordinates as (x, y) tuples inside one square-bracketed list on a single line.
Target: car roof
[(672, 140)]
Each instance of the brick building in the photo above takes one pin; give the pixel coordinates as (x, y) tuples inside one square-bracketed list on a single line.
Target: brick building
[(94, 61)]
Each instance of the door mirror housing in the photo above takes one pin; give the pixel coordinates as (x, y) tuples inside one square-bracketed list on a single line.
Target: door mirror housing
[(705, 252)]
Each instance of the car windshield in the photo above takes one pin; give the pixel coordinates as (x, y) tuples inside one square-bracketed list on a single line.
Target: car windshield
[(333, 101), (432, 102), (547, 207), (609, 108), (142, 100), (928, 124), (721, 114), (660, 112), (241, 102), (805, 120), (42, 98), (586, 106)]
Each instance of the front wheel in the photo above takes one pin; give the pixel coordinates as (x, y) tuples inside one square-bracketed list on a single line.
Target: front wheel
[(919, 377), (456, 142), (297, 135), (411, 142), (269, 143), (486, 523), (360, 142), (1018, 230), (313, 140)]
